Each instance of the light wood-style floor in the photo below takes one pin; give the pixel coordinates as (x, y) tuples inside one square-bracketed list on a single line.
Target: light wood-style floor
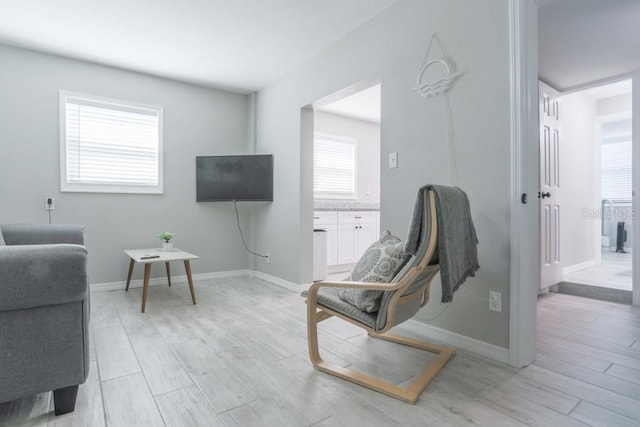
[(614, 272), (239, 358)]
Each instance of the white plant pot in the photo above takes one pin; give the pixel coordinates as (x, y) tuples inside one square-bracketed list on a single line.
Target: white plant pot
[(167, 246)]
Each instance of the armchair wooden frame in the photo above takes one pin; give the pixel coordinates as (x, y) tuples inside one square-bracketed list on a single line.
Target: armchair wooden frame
[(420, 271)]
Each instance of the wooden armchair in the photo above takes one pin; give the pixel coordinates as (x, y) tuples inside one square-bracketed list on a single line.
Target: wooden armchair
[(401, 300)]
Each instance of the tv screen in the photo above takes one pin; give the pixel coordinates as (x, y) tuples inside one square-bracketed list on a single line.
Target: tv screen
[(241, 178)]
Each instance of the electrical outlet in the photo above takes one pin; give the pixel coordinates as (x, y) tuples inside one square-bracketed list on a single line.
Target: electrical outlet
[(268, 258), (393, 160), (495, 301), (49, 203)]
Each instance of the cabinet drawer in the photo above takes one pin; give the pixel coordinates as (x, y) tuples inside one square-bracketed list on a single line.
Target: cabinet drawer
[(356, 217), (325, 218)]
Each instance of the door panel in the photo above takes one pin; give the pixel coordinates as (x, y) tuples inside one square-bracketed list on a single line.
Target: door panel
[(550, 189)]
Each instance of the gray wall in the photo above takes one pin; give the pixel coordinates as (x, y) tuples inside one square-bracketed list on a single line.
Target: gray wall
[(197, 121), (614, 105), (579, 180), (368, 149), (392, 46)]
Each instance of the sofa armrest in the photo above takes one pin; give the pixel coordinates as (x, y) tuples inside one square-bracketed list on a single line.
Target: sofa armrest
[(39, 275), (42, 234)]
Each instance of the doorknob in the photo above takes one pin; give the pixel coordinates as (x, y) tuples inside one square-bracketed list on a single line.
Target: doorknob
[(545, 195)]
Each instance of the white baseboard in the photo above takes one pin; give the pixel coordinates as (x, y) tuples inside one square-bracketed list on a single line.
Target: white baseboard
[(577, 267), (276, 281), (162, 281), (455, 340), (612, 249)]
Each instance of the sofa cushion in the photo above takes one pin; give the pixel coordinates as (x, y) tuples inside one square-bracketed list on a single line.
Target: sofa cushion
[(380, 263)]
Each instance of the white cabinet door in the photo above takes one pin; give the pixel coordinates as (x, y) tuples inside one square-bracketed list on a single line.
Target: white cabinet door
[(349, 233), (365, 236), (347, 244), (357, 230)]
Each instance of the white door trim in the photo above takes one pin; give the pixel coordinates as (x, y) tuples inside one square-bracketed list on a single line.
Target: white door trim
[(525, 218), (525, 227), (635, 255)]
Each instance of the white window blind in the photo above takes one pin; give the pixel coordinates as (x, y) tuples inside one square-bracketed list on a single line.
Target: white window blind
[(109, 145), (334, 166), (616, 161), (616, 171)]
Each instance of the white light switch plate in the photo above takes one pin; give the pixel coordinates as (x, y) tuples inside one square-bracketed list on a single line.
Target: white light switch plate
[(393, 160), (495, 301)]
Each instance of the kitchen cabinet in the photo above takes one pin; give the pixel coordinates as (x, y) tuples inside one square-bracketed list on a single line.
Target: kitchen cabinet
[(349, 234), (356, 232)]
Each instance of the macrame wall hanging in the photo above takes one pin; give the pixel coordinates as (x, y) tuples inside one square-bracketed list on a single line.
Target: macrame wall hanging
[(435, 78)]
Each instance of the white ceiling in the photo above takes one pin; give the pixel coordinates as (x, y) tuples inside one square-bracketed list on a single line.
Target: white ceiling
[(242, 45), (363, 105), (584, 41)]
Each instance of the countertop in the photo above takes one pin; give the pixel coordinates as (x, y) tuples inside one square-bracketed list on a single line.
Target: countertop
[(346, 205)]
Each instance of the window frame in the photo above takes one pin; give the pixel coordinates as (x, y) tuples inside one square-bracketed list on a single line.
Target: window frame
[(119, 105), (340, 139)]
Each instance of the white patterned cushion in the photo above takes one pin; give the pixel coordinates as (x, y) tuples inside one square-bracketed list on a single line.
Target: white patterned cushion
[(380, 263)]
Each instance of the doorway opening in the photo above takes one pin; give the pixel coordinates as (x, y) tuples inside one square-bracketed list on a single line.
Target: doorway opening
[(346, 178), (596, 193)]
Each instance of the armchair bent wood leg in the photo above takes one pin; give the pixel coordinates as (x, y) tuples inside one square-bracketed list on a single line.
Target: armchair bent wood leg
[(409, 394), (420, 383)]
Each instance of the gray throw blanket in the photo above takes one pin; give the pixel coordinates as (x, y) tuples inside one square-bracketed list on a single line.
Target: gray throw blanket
[(457, 241)]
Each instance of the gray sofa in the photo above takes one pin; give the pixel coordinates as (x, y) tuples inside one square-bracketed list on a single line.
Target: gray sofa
[(44, 313)]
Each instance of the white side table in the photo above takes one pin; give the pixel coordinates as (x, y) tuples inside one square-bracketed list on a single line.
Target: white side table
[(152, 256)]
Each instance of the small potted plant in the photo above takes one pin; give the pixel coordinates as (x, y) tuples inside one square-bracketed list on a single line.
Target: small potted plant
[(165, 238)]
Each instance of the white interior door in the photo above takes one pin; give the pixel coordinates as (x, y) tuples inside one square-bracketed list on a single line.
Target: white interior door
[(550, 139)]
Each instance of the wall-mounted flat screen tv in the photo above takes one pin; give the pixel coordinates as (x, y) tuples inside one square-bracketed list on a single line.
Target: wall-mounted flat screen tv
[(240, 178)]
